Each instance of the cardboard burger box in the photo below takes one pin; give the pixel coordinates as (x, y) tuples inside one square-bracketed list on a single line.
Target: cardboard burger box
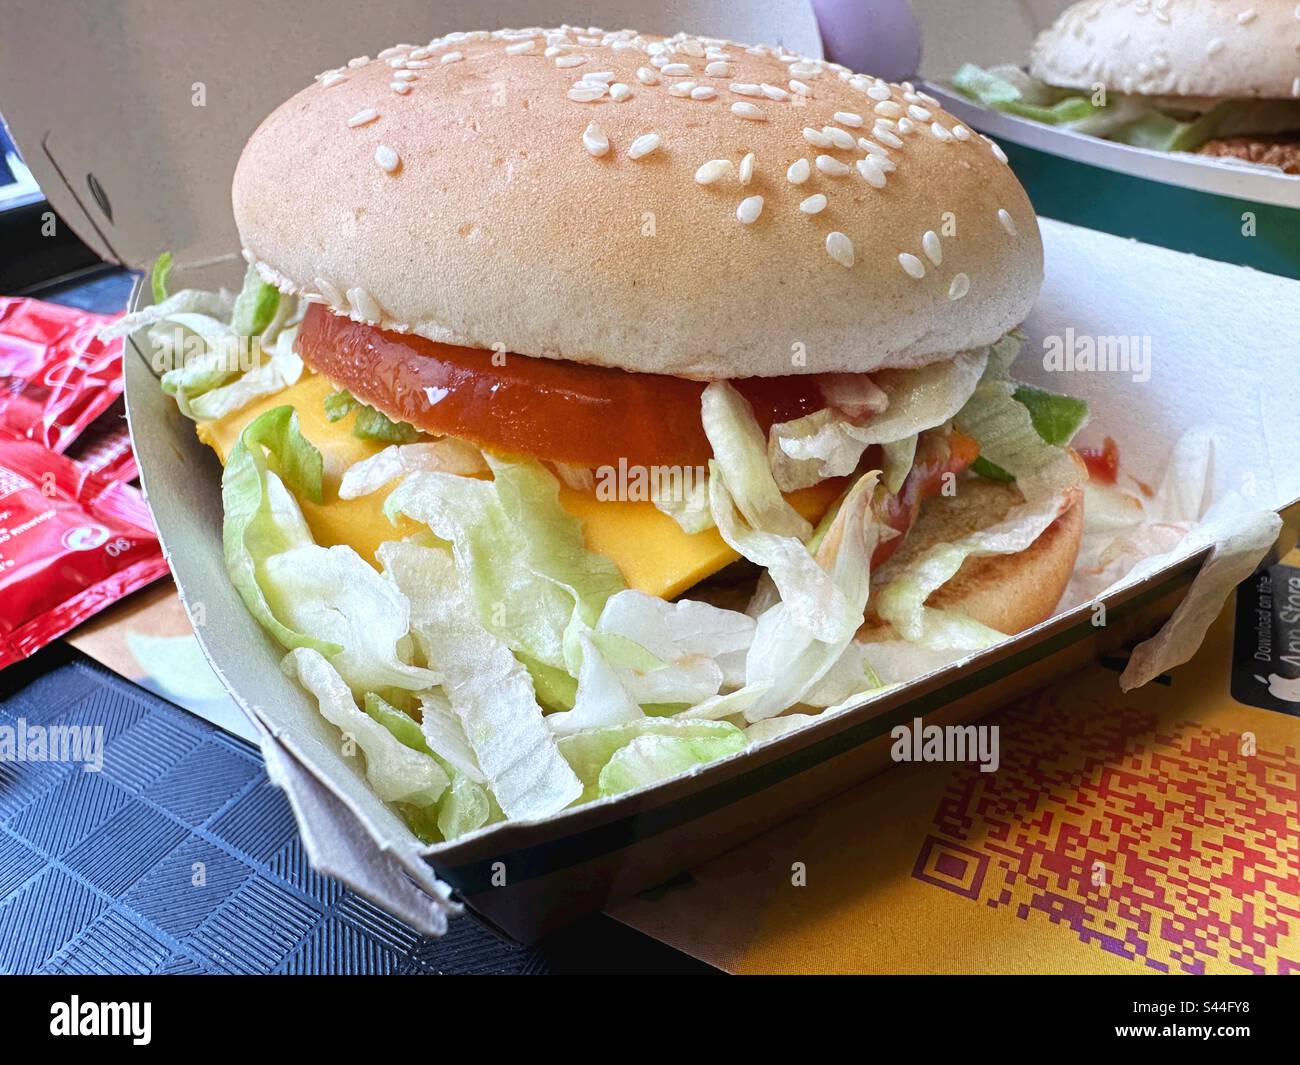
[(1244, 214), (1218, 348)]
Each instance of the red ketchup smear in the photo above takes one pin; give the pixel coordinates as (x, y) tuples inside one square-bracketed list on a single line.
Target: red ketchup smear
[(1102, 462)]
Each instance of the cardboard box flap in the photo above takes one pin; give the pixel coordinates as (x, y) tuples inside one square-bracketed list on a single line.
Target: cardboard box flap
[(139, 158)]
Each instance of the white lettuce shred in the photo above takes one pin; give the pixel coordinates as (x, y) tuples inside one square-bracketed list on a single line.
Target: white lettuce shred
[(486, 686), (395, 772), (448, 455), (827, 443)]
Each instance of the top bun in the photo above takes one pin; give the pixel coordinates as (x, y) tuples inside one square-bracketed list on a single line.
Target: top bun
[(1196, 48), (462, 191)]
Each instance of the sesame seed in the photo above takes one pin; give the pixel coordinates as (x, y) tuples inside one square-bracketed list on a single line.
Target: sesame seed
[(798, 172), (890, 109), (933, 249), (644, 145), (749, 209), (803, 69), (332, 295), (905, 126), (647, 75), (939, 132), (848, 118), (602, 76), (452, 57), (595, 140), (1295, 87), (919, 113), (831, 166), (744, 88), (839, 248), (911, 265), (365, 115), (404, 75), (681, 88), (872, 148), (387, 158), (675, 69), (400, 87), (564, 62), (1000, 155), (838, 137), (586, 92), (879, 92), (522, 48), (1215, 46), (331, 79), (959, 287), (961, 133), (1007, 222), (718, 69), (619, 92), (360, 61), (817, 138), (799, 88), (364, 304), (713, 170), (885, 137), (814, 204), (747, 169), (774, 92), (1248, 16), (659, 61), (703, 92), (871, 172), (417, 65), (752, 112)]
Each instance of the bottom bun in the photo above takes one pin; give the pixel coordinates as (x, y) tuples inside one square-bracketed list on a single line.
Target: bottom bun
[(1009, 593)]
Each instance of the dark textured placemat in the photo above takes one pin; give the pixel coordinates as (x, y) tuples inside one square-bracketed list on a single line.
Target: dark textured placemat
[(180, 856)]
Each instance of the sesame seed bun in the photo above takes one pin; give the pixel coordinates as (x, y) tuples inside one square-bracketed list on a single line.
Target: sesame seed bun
[(1212, 49), (480, 208), (1009, 593)]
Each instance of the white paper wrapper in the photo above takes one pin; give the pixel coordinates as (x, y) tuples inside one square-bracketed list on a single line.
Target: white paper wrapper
[(1126, 540)]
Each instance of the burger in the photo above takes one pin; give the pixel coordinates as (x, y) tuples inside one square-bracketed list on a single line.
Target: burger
[(607, 403), (1205, 76)]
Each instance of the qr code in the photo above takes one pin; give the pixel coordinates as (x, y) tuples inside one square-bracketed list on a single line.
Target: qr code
[(1173, 846)]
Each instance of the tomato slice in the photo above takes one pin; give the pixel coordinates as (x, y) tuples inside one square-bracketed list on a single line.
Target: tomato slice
[(546, 408), (1102, 462)]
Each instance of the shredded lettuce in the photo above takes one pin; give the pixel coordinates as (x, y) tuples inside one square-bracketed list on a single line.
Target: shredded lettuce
[(486, 686), (332, 594), (520, 555), (594, 754), (1015, 435), (369, 424), (448, 455), (1127, 119), (827, 444), (162, 268), (255, 306), (740, 459), (262, 519), (395, 771)]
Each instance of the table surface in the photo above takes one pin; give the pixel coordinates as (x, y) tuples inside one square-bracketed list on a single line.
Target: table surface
[(181, 857)]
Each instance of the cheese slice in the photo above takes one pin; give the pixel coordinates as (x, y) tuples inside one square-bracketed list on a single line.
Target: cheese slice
[(649, 548)]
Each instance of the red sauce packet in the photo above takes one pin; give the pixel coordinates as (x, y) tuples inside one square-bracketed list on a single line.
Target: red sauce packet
[(72, 542), (56, 375)]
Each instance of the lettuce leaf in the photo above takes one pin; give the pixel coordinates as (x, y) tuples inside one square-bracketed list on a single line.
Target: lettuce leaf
[(740, 459), (262, 518), (162, 268), (591, 752), (485, 685), (396, 772), (255, 306)]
